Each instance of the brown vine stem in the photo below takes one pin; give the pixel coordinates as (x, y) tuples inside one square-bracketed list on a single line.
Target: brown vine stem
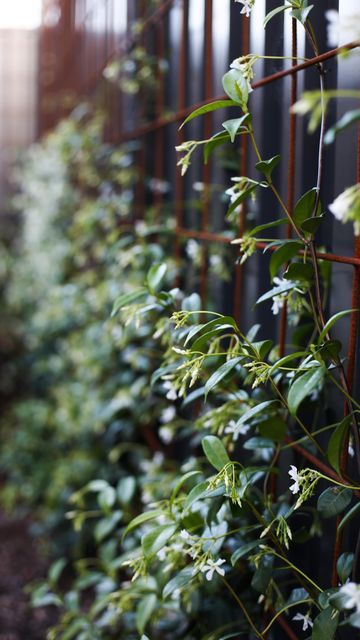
[(243, 608)]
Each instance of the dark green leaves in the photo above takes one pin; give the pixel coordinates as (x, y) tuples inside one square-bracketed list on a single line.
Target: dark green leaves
[(236, 87), (275, 12), (180, 580), (220, 373), (332, 321), (129, 298), (232, 126), (303, 386), (207, 108), (304, 207), (156, 276), (344, 566), (333, 501), (157, 538), (325, 625), (215, 452), (336, 443), (283, 255), (267, 166), (299, 271)]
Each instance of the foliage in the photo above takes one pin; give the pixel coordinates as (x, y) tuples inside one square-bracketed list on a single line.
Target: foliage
[(206, 540)]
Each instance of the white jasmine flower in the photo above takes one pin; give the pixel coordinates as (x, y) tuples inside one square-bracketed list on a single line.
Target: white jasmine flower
[(185, 535), (213, 566), (305, 619), (158, 459), (342, 29), (248, 5), (232, 427), (162, 554), (352, 591), (193, 250), (351, 450), (347, 207), (215, 261), (159, 186), (279, 300), (166, 434), (333, 27), (171, 394), (278, 303), (294, 475), (168, 414)]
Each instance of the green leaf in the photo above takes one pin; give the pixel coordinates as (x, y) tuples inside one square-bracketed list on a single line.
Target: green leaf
[(157, 538), (202, 328), (127, 299), (304, 207), (244, 550), (233, 126), (263, 574), (236, 86), (285, 360), (125, 489), (344, 566), (345, 121), (181, 579), (302, 271), (145, 609), (207, 108), (245, 194), (215, 452), (283, 255), (303, 386), (336, 443), (325, 625), (248, 415), (255, 443), (196, 494), (275, 291), (267, 166), (274, 12), (155, 276), (302, 14), (220, 373), (268, 225), (140, 519), (181, 482), (106, 525), (56, 570), (215, 141), (311, 225), (332, 321), (273, 428), (333, 501), (354, 511), (201, 343)]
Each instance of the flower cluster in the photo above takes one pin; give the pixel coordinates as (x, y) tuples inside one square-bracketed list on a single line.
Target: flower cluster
[(304, 483), (347, 207), (247, 8)]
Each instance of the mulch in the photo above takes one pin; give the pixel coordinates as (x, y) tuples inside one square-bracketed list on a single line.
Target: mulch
[(21, 562)]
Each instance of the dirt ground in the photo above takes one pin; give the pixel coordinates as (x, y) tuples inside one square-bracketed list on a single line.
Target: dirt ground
[(20, 563)]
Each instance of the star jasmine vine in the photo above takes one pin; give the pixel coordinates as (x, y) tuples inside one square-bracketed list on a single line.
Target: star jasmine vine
[(253, 443)]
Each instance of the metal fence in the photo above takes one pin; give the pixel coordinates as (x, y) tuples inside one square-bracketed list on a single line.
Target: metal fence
[(196, 40)]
